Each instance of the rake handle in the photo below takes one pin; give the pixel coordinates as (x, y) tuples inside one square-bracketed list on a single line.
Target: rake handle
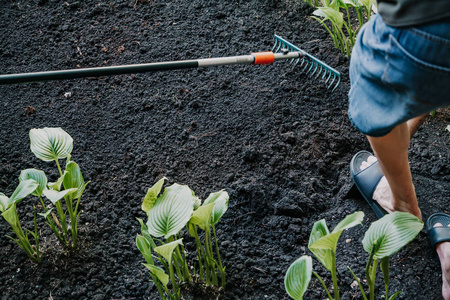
[(254, 58)]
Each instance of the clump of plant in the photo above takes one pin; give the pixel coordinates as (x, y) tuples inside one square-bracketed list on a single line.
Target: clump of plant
[(332, 11), (9, 213), (384, 238), (175, 209), (48, 144)]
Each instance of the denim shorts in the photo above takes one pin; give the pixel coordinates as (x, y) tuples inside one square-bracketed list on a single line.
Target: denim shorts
[(397, 74)]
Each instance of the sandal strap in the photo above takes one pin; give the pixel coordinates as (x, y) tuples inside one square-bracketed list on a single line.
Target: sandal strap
[(439, 234)]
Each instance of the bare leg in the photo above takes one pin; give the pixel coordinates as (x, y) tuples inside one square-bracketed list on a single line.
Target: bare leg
[(443, 251), (392, 153), (414, 124), (393, 149)]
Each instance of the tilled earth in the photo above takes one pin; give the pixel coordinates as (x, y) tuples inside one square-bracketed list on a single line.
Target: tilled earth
[(277, 141)]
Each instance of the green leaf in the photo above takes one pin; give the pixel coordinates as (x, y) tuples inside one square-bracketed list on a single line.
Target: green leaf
[(395, 295), (171, 211), (159, 273), (197, 201), (367, 3), (350, 221), (73, 179), (24, 188), (10, 215), (4, 202), (447, 128), (45, 215), (55, 196), (384, 266), (390, 233), (298, 276), (152, 195), (57, 185), (325, 256), (329, 241), (328, 13), (352, 3), (50, 143), (166, 250), (38, 176), (145, 233), (220, 199), (145, 248), (202, 216)]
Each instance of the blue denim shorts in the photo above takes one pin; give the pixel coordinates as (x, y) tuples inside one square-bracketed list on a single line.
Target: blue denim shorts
[(397, 74)]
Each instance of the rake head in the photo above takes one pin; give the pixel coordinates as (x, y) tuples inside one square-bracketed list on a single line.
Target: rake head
[(308, 63)]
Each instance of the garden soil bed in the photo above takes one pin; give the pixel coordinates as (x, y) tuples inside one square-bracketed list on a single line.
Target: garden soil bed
[(277, 141)]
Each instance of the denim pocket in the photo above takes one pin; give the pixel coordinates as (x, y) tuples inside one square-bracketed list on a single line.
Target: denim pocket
[(416, 79)]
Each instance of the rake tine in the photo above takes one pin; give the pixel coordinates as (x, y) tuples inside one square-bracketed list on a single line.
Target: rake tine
[(337, 83), (311, 65), (315, 70), (325, 74), (306, 65), (334, 78), (328, 79), (320, 71), (310, 68), (275, 46)]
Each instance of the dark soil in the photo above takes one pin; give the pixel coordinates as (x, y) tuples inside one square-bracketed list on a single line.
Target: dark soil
[(277, 141)]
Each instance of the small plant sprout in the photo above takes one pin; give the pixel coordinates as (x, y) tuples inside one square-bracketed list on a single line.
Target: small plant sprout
[(206, 217), (177, 208), (384, 238), (52, 144), (9, 213)]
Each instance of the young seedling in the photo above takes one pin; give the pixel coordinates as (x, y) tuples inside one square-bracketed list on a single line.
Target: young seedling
[(384, 238), (52, 144), (168, 214), (206, 217), (9, 213)]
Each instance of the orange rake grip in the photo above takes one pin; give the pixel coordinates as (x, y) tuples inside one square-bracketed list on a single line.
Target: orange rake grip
[(263, 58)]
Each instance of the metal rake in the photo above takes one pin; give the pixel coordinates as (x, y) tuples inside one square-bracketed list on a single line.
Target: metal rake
[(282, 50)]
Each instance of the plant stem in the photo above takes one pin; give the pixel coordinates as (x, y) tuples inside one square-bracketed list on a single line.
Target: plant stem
[(323, 284), (36, 236), (172, 277), (221, 269), (182, 254), (373, 275), (334, 277), (51, 224), (59, 167), (359, 284), (199, 251), (62, 218), (208, 246)]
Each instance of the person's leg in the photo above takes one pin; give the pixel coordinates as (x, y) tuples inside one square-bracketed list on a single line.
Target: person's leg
[(414, 124), (443, 251), (392, 153)]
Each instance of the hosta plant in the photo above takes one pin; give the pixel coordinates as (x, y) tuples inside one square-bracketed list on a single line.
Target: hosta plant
[(330, 13), (161, 241), (9, 213), (48, 144), (384, 238), (53, 144)]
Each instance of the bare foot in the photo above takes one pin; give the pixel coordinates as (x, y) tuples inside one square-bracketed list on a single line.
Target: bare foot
[(383, 194), (443, 251)]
